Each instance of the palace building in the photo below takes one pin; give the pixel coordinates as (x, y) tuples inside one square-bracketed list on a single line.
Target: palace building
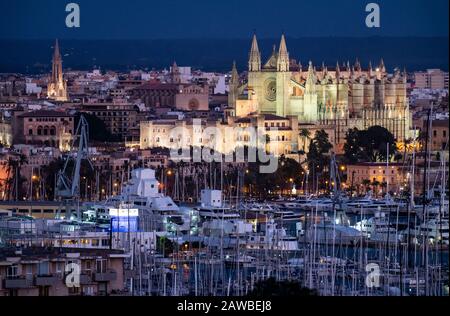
[(57, 86)]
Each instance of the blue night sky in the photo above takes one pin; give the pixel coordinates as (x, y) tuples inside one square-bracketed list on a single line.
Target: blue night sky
[(156, 19)]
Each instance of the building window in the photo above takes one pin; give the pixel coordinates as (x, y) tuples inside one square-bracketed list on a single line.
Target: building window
[(30, 132), (43, 268), (12, 272), (101, 265)]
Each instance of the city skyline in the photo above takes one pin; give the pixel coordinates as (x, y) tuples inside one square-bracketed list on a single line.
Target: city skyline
[(245, 150)]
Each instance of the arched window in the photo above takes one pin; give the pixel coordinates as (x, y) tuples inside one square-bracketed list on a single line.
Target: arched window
[(39, 130), (53, 130), (46, 130)]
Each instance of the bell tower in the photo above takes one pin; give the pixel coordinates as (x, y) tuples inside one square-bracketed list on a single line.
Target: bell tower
[(57, 86)]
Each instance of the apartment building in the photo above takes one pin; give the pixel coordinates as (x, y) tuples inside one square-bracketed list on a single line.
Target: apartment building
[(51, 271)]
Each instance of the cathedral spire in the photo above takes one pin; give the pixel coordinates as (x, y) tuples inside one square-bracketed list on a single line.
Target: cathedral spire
[(324, 70), (382, 66), (233, 86), (405, 75), (370, 69), (56, 53), (283, 56), (357, 65), (310, 85), (254, 60), (234, 74), (338, 71)]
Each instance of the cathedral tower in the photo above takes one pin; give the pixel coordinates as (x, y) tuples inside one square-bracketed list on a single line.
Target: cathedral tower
[(310, 97), (254, 60), (57, 86), (175, 73), (283, 79), (233, 86)]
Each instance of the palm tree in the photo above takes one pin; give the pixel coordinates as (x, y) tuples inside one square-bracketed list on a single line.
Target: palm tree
[(366, 184), (14, 175), (375, 185), (384, 186), (407, 143), (306, 135)]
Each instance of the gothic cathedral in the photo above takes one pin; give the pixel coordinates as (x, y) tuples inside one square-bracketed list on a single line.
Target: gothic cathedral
[(346, 95)]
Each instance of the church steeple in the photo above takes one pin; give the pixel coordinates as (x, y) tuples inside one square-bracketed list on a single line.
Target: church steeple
[(56, 53), (254, 60), (283, 56), (57, 64), (175, 73), (57, 87)]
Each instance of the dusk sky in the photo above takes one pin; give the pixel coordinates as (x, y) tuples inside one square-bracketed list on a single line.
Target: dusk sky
[(154, 19)]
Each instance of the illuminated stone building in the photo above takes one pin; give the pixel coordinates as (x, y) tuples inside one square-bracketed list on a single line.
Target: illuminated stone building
[(46, 128), (287, 99), (344, 96), (57, 86)]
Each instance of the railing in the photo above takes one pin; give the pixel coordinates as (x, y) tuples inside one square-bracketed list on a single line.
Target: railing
[(105, 276), (19, 282), (46, 280)]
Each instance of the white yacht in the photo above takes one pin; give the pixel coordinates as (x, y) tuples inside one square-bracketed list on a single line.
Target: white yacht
[(377, 228), (434, 230), (141, 195)]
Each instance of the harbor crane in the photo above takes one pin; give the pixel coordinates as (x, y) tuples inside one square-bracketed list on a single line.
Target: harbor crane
[(68, 186)]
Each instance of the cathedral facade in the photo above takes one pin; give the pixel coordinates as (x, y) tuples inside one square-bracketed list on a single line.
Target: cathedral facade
[(345, 96), (57, 86)]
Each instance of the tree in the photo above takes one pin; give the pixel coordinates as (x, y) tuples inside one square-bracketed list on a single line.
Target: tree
[(318, 158), (15, 180), (369, 145), (375, 185), (366, 184), (305, 134), (288, 173), (322, 141), (352, 147)]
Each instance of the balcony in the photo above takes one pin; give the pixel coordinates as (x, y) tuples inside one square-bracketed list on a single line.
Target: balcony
[(85, 279), (45, 280), (17, 283), (105, 276)]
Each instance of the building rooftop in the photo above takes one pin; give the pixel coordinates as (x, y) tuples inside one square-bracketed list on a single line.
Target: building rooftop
[(45, 113)]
